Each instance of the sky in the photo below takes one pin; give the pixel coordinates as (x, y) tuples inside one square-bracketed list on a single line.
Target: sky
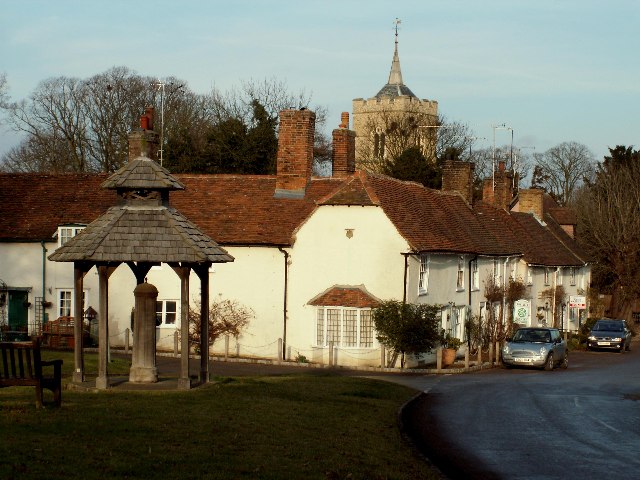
[(552, 70)]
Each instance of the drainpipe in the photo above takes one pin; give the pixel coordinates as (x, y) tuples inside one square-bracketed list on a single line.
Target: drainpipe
[(404, 286), (285, 302), (504, 287), (44, 277), (470, 306)]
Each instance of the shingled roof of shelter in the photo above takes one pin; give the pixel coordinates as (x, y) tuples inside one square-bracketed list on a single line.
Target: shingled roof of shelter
[(141, 234), (143, 173)]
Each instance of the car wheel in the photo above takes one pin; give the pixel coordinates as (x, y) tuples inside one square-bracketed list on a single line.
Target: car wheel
[(548, 365), (565, 361)]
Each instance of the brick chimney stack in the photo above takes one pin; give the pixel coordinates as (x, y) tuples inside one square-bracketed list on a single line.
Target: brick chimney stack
[(457, 176), (531, 201), (144, 142), (343, 153), (295, 152)]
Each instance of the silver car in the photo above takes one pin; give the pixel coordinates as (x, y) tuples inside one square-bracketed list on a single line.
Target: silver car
[(536, 347)]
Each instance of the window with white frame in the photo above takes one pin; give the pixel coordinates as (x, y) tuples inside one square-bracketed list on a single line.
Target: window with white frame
[(475, 275), (423, 281), (513, 272), (529, 275), (547, 276), (496, 271), (66, 302), (344, 326), (572, 276), (166, 312), (460, 275), (66, 233), (559, 277)]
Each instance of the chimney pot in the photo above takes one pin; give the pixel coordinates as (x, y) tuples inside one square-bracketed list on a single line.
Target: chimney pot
[(344, 120)]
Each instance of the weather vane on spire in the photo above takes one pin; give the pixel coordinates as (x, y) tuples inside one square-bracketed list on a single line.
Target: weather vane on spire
[(397, 23)]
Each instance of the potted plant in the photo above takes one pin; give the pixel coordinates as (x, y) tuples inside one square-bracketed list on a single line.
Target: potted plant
[(450, 346)]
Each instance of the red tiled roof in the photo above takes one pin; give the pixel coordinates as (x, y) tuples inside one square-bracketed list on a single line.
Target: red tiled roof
[(346, 296), (32, 206), (242, 210)]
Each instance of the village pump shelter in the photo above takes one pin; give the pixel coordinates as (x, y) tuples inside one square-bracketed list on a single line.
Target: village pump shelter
[(141, 231)]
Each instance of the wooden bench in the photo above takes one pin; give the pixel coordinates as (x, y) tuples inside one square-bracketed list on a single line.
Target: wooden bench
[(21, 365)]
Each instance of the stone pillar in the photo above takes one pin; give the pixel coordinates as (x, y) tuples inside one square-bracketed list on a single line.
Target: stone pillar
[(143, 362)]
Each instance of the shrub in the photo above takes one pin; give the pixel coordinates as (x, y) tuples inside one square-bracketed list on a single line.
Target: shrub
[(226, 317)]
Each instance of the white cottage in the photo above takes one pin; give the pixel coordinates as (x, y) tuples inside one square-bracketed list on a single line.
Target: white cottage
[(313, 255)]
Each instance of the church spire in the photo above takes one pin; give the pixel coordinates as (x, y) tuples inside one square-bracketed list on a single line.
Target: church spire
[(395, 86), (395, 76)]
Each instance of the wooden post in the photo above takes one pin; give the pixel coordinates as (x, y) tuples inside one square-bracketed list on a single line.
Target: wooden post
[(491, 353), (126, 340), (466, 359), (479, 354), (382, 357), (226, 347), (184, 383), (104, 272), (331, 354), (439, 358), (175, 343), (497, 353), (80, 269), (203, 273)]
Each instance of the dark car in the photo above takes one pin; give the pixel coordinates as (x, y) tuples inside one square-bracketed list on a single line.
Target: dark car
[(536, 347), (611, 334)]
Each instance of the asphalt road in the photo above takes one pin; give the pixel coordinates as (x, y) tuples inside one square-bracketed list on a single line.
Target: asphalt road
[(582, 423)]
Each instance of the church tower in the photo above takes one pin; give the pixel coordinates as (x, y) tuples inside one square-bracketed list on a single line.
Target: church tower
[(394, 120)]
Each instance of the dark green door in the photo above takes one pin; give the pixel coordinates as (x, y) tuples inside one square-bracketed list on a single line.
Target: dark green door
[(18, 310)]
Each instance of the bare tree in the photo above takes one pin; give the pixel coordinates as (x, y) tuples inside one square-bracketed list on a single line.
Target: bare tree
[(561, 169), (608, 225), (4, 90)]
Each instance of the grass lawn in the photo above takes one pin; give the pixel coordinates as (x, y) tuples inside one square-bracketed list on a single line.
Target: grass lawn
[(297, 426)]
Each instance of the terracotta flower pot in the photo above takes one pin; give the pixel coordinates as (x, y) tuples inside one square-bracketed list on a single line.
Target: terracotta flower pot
[(448, 356)]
